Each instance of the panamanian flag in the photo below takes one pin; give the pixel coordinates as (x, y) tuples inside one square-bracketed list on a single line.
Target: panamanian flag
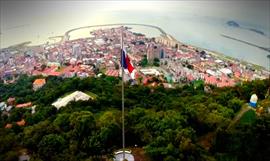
[(126, 64)]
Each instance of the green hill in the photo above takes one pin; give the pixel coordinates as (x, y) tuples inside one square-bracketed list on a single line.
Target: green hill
[(248, 117), (184, 123)]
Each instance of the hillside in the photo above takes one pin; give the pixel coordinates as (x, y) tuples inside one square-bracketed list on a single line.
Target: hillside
[(185, 123)]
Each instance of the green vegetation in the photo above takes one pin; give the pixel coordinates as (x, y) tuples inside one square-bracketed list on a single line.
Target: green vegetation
[(156, 62), (248, 117), (93, 95), (144, 61), (184, 124)]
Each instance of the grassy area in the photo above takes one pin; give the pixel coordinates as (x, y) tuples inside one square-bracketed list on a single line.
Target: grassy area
[(248, 117), (103, 70), (93, 95), (66, 94)]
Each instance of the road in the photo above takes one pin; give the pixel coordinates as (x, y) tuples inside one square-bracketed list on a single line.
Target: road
[(245, 42), (66, 36)]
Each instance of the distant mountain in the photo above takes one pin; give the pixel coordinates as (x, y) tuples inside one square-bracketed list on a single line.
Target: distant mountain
[(232, 23)]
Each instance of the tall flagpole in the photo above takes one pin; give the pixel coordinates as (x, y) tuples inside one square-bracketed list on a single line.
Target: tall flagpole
[(123, 102)]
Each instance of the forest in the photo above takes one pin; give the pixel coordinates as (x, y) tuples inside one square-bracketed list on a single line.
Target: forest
[(186, 123)]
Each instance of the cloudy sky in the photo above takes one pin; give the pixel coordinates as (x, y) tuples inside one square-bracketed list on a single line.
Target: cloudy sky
[(22, 12)]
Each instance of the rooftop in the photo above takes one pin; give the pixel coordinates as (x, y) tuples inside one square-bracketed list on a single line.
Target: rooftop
[(39, 82)]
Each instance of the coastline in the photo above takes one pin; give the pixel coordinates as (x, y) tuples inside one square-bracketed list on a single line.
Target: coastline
[(163, 34), (56, 39)]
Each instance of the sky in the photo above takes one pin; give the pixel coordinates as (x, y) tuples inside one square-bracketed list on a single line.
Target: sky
[(22, 12)]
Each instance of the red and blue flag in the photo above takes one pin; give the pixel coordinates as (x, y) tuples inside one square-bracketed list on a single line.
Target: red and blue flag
[(126, 64)]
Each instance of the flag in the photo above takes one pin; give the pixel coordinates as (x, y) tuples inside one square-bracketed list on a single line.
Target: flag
[(126, 64)]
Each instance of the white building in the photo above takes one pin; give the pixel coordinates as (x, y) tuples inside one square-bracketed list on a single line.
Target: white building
[(150, 71), (75, 96), (226, 71)]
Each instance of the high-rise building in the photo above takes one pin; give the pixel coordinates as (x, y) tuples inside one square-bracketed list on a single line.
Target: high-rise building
[(150, 54), (76, 51), (162, 54), (154, 51), (61, 58)]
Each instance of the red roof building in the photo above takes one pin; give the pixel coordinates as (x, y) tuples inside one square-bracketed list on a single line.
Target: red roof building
[(8, 126), (11, 101), (19, 123), (38, 83), (113, 73), (24, 105)]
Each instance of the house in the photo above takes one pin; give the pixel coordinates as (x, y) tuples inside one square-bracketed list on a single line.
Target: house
[(9, 108), (8, 126), (11, 101), (3, 106), (19, 123), (38, 83), (112, 73), (24, 105)]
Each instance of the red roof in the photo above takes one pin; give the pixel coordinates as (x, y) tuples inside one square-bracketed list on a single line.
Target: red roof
[(210, 80), (23, 105), (39, 82), (190, 77), (113, 73), (145, 80), (237, 74), (19, 123), (8, 126), (11, 100)]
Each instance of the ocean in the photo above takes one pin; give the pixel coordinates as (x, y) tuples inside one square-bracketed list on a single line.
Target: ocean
[(198, 25)]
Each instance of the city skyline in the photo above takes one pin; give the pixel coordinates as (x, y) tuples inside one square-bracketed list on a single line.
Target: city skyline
[(199, 23)]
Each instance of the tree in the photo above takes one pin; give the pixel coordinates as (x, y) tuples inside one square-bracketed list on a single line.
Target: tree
[(156, 62), (16, 114), (62, 122), (144, 61), (11, 156), (235, 104), (50, 146), (33, 134), (169, 124), (82, 123)]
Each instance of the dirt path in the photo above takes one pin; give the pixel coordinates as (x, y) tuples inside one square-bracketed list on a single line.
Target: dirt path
[(243, 110)]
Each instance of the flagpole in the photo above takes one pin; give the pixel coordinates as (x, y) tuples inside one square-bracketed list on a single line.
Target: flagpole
[(123, 102)]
